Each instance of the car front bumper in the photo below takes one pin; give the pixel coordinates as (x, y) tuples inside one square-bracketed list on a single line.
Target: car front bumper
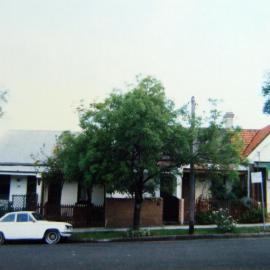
[(66, 233)]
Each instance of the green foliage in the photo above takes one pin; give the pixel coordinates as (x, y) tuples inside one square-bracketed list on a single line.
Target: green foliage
[(217, 149), (62, 164), (266, 94), (162, 233), (132, 137), (252, 215), (204, 218), (225, 185), (132, 132), (168, 184), (224, 222)]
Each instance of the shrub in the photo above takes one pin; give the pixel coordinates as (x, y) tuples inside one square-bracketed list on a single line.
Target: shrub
[(204, 218), (223, 220), (252, 215)]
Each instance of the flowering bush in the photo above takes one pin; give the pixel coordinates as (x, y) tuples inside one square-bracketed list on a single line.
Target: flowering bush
[(223, 220)]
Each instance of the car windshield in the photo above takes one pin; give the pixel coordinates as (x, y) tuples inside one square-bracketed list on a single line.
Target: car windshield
[(37, 216)]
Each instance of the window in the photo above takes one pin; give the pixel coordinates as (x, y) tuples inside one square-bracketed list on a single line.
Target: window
[(22, 217), (37, 216), (9, 218)]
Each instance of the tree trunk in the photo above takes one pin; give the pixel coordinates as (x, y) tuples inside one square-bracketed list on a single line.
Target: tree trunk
[(192, 173), (137, 207), (89, 194), (191, 199)]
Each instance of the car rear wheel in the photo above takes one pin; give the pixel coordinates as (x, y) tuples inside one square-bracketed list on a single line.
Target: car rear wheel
[(2, 238), (52, 237)]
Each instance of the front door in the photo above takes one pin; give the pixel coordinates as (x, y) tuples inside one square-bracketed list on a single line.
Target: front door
[(31, 197), (4, 187), (170, 202)]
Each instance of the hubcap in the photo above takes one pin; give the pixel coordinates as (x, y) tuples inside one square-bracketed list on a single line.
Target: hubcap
[(52, 236)]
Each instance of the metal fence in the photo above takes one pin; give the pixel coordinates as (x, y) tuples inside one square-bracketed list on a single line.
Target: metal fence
[(79, 215), (235, 207)]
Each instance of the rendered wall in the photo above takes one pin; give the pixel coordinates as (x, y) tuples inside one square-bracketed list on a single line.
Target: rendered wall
[(261, 152), (98, 195), (18, 186), (69, 193)]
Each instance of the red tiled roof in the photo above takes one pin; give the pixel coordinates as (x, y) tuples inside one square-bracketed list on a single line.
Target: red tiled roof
[(252, 138), (247, 136)]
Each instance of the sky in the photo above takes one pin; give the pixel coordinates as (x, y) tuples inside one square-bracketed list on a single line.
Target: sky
[(55, 53)]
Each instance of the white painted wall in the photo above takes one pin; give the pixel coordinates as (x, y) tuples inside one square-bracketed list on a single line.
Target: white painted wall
[(261, 152), (118, 195), (98, 195), (18, 186), (268, 196), (38, 191), (202, 188), (157, 193), (69, 193), (45, 192), (178, 187)]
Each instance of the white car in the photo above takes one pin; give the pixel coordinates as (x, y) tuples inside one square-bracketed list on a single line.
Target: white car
[(31, 225)]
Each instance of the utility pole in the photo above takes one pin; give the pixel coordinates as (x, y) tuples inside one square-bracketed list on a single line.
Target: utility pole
[(192, 172)]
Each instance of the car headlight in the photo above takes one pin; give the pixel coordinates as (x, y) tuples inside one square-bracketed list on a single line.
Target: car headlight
[(68, 227)]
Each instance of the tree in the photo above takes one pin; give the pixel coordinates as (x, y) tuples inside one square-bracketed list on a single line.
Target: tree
[(213, 148), (266, 94), (131, 138), (63, 165), (131, 133)]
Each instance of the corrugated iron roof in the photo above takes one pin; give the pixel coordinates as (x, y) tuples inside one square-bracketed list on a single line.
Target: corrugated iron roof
[(26, 146)]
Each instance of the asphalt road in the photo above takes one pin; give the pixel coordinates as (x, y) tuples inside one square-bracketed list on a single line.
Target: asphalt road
[(249, 253)]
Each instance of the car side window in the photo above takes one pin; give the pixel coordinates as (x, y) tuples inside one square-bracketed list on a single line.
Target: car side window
[(22, 217), (9, 218)]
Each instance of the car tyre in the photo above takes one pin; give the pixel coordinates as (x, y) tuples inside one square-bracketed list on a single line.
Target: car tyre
[(52, 237), (2, 238)]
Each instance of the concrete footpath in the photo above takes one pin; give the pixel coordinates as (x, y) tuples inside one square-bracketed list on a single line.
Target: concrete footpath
[(88, 239), (170, 227)]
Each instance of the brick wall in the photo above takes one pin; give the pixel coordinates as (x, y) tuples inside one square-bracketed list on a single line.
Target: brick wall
[(119, 212)]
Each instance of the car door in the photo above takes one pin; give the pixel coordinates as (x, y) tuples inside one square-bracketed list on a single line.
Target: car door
[(7, 226), (25, 227)]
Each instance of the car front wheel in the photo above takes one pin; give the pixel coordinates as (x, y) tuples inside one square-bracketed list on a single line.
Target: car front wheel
[(52, 237), (2, 238)]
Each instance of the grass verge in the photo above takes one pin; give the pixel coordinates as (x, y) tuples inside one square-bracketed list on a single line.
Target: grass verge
[(163, 233)]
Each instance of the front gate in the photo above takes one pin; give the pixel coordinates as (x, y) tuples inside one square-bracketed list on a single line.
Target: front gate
[(170, 209), (24, 202)]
